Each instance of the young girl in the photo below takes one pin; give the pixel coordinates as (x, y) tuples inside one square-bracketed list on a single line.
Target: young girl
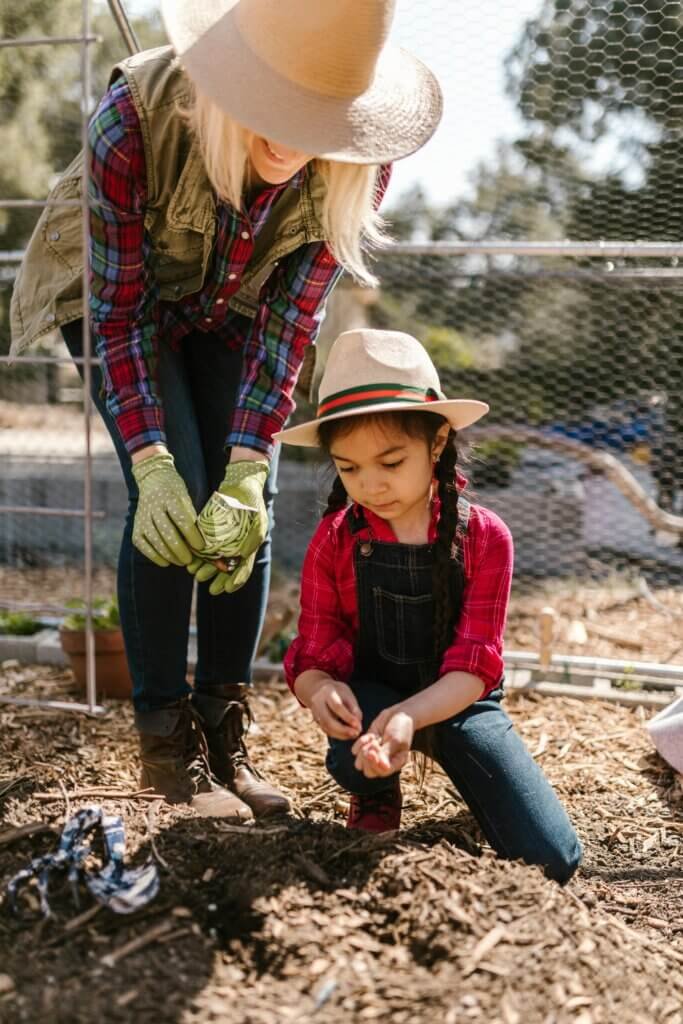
[(404, 596)]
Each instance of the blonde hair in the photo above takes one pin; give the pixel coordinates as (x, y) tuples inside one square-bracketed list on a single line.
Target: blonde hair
[(350, 220)]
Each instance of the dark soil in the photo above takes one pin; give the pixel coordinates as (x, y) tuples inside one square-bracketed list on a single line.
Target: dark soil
[(302, 921)]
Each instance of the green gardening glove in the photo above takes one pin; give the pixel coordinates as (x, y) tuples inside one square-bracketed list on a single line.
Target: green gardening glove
[(225, 582), (233, 524), (164, 528)]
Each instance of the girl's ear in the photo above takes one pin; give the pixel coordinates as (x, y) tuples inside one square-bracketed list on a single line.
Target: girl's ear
[(439, 442)]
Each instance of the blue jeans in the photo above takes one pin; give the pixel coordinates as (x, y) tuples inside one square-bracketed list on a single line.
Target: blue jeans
[(198, 386), (489, 765)]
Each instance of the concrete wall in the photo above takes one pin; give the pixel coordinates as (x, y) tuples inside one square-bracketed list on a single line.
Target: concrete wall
[(545, 517)]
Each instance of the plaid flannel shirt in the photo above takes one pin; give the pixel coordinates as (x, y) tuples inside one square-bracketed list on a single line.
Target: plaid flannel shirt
[(128, 317), (328, 623)]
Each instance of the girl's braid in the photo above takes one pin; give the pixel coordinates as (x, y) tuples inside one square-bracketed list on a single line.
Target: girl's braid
[(447, 583), (337, 498), (447, 575)]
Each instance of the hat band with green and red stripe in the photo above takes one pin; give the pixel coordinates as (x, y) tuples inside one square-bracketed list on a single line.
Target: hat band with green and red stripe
[(365, 395)]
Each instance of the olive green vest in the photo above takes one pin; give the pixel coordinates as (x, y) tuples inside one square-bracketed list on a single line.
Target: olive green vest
[(180, 215)]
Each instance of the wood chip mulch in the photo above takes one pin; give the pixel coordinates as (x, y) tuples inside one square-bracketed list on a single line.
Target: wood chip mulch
[(302, 921)]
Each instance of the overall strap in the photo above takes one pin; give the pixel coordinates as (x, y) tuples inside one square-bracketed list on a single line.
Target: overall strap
[(464, 509)]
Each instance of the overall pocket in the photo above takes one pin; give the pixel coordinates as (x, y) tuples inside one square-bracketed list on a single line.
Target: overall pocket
[(404, 625)]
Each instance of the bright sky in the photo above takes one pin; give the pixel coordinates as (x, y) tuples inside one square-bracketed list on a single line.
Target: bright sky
[(464, 42)]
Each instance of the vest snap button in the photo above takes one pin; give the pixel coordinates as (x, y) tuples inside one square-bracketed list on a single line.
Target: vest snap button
[(177, 290), (54, 236), (366, 549), (50, 318)]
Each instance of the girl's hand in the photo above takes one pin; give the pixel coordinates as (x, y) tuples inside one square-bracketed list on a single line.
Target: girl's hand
[(335, 709), (384, 749)]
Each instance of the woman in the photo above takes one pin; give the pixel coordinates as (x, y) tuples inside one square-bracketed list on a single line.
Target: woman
[(233, 179)]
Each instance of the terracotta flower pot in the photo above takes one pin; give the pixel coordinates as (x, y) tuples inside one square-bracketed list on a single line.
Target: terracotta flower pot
[(111, 667)]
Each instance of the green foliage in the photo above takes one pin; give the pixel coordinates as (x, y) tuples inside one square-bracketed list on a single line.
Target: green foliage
[(18, 624), (494, 461), (105, 614), (448, 348), (627, 681), (276, 648), (547, 339), (40, 106)]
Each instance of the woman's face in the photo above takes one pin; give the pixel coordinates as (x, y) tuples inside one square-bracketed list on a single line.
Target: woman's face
[(273, 163)]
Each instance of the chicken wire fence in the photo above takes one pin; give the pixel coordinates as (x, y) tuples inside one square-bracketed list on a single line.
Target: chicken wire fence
[(562, 121)]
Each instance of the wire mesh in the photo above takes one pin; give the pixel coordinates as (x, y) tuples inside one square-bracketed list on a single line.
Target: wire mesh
[(562, 122)]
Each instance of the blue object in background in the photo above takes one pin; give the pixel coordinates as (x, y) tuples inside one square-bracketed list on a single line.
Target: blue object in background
[(621, 425)]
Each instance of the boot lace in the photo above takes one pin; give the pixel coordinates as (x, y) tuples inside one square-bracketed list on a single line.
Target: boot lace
[(236, 722), (196, 749)]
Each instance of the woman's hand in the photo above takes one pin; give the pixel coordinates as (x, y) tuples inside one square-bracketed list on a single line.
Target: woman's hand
[(384, 749), (164, 528), (233, 524), (335, 709)]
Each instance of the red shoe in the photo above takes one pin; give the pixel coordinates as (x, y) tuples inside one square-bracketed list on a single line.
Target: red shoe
[(379, 812)]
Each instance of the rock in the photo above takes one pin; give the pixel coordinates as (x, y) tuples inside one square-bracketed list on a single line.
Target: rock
[(6, 984)]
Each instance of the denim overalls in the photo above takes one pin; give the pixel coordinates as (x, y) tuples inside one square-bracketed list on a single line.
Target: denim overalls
[(486, 760)]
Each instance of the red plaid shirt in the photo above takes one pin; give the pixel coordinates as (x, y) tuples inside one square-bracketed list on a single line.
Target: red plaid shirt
[(128, 318), (328, 623)]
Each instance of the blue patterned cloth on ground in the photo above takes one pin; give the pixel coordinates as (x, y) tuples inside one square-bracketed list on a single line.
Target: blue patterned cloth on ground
[(122, 889)]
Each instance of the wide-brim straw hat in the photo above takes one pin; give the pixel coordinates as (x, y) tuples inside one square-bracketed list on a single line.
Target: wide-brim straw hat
[(318, 77), (380, 371)]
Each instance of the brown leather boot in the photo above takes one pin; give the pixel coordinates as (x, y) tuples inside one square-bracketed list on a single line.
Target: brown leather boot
[(175, 763), (223, 711)]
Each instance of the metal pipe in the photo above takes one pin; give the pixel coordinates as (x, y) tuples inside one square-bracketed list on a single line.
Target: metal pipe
[(124, 26), (634, 698), (27, 510), (503, 248), (86, 80), (84, 40), (494, 247), (520, 659), (58, 610), (30, 204), (55, 705), (47, 360)]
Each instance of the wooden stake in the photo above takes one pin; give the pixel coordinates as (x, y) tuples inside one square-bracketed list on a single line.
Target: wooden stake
[(546, 622)]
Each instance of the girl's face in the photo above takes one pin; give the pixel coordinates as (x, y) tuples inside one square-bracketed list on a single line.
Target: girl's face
[(274, 164), (388, 471)]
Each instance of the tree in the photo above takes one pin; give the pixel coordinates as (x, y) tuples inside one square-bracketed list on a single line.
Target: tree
[(40, 106), (590, 79)]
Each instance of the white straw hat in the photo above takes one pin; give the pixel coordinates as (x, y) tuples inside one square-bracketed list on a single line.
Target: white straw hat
[(379, 371), (314, 75)]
